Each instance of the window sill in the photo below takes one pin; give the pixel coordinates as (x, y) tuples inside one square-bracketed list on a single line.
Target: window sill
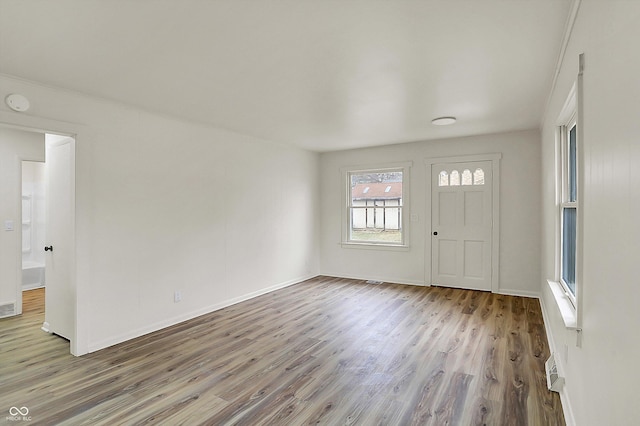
[(374, 246), (567, 311)]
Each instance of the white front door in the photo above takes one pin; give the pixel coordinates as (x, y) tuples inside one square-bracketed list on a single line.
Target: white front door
[(461, 202), (60, 305)]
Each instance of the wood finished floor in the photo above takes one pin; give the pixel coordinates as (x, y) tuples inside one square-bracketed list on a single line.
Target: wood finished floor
[(326, 351)]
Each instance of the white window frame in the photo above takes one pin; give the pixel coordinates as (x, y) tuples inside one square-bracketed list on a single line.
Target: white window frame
[(566, 203), (569, 304), (346, 173)]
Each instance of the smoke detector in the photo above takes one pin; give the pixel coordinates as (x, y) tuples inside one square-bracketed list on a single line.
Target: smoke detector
[(17, 102)]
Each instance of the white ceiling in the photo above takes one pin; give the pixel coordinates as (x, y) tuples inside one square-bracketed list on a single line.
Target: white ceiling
[(323, 75)]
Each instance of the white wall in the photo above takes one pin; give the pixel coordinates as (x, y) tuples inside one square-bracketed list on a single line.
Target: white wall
[(15, 146), (519, 211), (602, 375), (165, 205)]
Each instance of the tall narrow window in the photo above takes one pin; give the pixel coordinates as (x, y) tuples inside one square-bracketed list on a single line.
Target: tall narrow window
[(569, 274), (375, 203), (569, 209)]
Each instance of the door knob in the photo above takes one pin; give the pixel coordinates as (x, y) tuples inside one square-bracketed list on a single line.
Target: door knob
[(48, 248), (435, 232)]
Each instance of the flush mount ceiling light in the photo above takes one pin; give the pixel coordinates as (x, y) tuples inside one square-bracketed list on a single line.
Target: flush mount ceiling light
[(17, 102), (443, 121)]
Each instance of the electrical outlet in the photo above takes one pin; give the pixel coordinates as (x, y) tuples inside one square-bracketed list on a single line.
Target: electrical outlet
[(177, 296)]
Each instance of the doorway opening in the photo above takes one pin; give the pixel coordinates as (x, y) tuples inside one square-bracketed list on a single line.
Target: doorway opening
[(25, 150), (33, 225), (47, 214)]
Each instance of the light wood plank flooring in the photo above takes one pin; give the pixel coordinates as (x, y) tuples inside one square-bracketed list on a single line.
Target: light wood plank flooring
[(326, 351)]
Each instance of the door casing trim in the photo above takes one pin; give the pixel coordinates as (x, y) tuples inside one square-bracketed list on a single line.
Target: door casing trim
[(79, 341), (494, 158)]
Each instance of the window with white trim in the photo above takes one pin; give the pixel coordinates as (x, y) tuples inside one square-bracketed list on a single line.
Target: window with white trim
[(568, 207), (566, 286), (375, 206)]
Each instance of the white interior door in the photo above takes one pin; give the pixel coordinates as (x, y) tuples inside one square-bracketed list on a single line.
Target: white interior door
[(462, 225), (60, 306)]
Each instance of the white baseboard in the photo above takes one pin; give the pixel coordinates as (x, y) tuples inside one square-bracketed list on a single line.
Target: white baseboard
[(520, 293), (569, 418), (114, 340), (32, 286), (375, 278)]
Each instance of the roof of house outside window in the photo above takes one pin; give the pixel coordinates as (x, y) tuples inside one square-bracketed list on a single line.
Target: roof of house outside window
[(377, 191)]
